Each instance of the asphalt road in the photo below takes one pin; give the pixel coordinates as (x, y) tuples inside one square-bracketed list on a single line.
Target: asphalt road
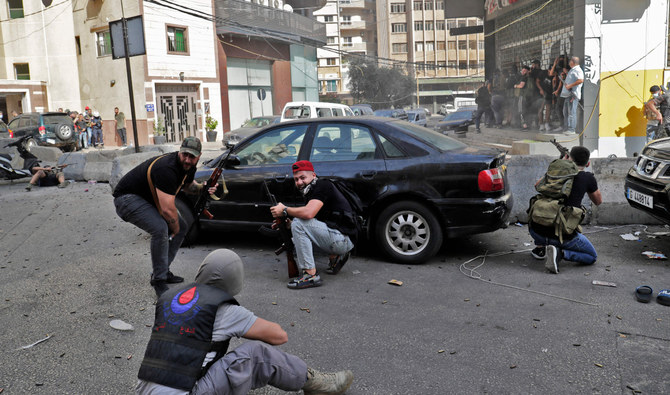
[(69, 266)]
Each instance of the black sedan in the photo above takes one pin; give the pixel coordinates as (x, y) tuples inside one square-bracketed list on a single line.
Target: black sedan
[(457, 121), (417, 186), (648, 181)]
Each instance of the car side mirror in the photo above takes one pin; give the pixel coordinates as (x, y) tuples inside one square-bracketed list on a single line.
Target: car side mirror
[(232, 161)]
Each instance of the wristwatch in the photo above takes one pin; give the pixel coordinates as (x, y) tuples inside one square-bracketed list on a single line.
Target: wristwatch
[(285, 212)]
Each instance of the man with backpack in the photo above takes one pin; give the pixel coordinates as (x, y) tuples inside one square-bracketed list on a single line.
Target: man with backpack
[(327, 222), (556, 212)]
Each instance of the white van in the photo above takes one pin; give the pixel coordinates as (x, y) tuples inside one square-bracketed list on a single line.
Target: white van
[(310, 109)]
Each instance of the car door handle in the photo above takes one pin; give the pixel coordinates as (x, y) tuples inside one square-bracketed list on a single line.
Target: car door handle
[(368, 174)]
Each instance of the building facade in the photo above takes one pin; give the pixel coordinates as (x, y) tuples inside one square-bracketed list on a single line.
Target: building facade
[(61, 57)]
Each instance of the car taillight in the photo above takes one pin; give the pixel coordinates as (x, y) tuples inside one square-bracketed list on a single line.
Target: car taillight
[(11, 134), (490, 180), (42, 129)]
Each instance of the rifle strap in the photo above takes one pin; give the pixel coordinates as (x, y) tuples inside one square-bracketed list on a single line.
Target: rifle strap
[(153, 188)]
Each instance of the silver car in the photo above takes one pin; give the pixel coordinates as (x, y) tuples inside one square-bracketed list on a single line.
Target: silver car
[(250, 127)]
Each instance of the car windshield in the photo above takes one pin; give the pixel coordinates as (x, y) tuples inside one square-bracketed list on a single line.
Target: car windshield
[(256, 122), (54, 119), (458, 115), (435, 139)]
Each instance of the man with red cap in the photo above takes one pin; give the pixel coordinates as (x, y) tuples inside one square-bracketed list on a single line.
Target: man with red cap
[(327, 222)]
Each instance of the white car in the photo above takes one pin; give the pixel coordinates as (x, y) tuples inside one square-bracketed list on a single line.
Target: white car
[(307, 109)]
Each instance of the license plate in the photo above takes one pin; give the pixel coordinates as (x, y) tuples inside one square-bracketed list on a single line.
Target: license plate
[(641, 198), (51, 141)]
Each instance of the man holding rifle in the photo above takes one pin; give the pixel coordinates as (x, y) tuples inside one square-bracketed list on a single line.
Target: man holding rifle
[(327, 221), (46, 176), (145, 197)]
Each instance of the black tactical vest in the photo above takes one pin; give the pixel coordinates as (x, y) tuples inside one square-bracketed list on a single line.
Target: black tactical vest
[(182, 336)]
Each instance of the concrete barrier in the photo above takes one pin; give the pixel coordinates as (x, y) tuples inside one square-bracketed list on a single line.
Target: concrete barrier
[(524, 170)]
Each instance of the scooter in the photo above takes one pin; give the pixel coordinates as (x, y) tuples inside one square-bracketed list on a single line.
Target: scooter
[(7, 171)]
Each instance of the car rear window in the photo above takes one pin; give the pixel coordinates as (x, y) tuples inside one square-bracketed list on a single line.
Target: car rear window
[(438, 140), (55, 119)]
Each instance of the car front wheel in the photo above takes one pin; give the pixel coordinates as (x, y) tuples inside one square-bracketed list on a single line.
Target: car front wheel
[(29, 143), (408, 232)]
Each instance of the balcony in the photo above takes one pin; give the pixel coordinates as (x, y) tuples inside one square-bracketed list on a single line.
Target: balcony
[(353, 25), (240, 17), (352, 4), (355, 47)]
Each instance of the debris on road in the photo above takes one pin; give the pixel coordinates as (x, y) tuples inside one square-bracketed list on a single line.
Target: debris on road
[(629, 237), (654, 255), (603, 283), (120, 325), (598, 365), (304, 309), (36, 343), (395, 282)]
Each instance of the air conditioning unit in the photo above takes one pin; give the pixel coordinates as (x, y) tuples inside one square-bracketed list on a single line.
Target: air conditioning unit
[(278, 4), (263, 2)]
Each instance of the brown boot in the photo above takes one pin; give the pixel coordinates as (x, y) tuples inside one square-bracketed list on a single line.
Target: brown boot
[(327, 383), (30, 186)]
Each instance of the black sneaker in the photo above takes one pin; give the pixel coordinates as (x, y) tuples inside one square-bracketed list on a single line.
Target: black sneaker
[(539, 252), (160, 287), (172, 279), (305, 281), (336, 262)]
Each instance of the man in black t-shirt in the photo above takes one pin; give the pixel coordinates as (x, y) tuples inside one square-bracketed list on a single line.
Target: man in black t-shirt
[(575, 247), (324, 222), (150, 205)]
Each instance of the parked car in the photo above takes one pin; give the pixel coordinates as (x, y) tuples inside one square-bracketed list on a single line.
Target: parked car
[(250, 127), (424, 109), (308, 109), (53, 129), (5, 132), (457, 121), (362, 109), (648, 180), (417, 116), (392, 113), (446, 108), (417, 186)]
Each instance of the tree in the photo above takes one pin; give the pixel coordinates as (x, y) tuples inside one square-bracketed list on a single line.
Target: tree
[(382, 87)]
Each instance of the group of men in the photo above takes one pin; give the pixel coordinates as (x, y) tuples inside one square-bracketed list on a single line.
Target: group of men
[(196, 360), (89, 127), (529, 97)]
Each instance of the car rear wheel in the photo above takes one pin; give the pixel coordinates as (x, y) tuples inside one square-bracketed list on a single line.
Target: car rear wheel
[(408, 232), (186, 213), (64, 132)]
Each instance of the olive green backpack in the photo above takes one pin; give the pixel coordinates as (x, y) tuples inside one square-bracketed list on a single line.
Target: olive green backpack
[(548, 207)]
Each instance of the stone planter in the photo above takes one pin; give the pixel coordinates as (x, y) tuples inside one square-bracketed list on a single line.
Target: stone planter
[(211, 136), (160, 139)]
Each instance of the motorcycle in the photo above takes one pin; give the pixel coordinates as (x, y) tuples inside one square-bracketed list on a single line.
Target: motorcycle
[(7, 171)]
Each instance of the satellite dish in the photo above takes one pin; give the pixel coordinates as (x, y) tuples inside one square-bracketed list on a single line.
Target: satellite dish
[(46, 2), (288, 8)]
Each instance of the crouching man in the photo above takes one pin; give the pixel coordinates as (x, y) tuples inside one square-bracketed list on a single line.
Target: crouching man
[(188, 349), (556, 213), (327, 222)]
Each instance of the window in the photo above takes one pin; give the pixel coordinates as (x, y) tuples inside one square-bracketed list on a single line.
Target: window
[(391, 150), (418, 5), (462, 44), (276, 146), (399, 48), (451, 24), (346, 19), (463, 65), (452, 45), (328, 18), (439, 5), (418, 26), (331, 86), (418, 47), (441, 65), (439, 25), (397, 8), (480, 45), (21, 71), (338, 142), (331, 61), (104, 43), (398, 28), (332, 40), (462, 23), (440, 45), (177, 39), (430, 46), (428, 5), (15, 9), (77, 44), (347, 42), (428, 25)]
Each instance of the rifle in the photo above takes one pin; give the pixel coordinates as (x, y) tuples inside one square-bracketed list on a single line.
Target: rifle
[(200, 206), (287, 246), (564, 151)]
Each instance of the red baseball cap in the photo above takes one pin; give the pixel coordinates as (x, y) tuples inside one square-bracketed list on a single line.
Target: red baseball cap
[(302, 165), (87, 108)]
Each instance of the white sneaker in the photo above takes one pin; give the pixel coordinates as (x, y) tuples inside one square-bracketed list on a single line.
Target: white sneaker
[(558, 129), (547, 127), (542, 128), (552, 257)]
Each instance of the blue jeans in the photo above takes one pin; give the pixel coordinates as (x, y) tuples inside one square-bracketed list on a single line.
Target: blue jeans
[(570, 113), (579, 249), (136, 210), (309, 233), (89, 132), (83, 139)]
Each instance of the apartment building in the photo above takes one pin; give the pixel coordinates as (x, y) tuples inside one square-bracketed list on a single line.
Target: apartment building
[(418, 35), (60, 56), (350, 31)]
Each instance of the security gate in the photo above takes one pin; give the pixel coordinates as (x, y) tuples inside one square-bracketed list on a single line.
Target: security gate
[(176, 110)]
